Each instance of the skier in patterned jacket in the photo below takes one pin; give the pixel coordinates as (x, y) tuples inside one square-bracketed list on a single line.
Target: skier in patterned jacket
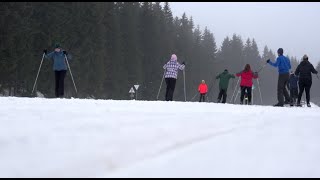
[(171, 74)]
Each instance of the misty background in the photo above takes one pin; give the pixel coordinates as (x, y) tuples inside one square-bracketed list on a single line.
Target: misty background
[(115, 45), (290, 25)]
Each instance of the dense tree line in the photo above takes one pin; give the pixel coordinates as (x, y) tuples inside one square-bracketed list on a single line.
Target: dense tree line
[(115, 45)]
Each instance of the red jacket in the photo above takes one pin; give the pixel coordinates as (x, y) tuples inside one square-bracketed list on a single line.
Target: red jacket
[(246, 78), (203, 88)]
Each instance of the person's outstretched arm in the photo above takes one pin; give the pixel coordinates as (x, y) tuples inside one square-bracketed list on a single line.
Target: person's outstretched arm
[(275, 64), (313, 70), (181, 66), (48, 56)]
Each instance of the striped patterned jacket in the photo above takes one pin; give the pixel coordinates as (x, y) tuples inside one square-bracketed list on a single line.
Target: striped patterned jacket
[(171, 68)]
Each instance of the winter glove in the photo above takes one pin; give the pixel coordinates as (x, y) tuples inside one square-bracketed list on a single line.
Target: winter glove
[(45, 51), (183, 63), (268, 60), (65, 52)]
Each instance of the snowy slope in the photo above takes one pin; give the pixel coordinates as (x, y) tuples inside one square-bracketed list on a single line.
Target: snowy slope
[(106, 138)]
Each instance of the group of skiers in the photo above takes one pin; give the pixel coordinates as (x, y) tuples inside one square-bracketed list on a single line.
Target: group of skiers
[(301, 76), (246, 84), (304, 78)]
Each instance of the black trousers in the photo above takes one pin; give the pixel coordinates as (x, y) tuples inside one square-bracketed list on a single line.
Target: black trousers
[(304, 85), (202, 97), (243, 92), (222, 94), (294, 95), (59, 76), (171, 84), (282, 88)]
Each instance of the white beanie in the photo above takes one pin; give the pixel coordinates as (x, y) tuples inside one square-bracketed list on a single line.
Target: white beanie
[(174, 57)]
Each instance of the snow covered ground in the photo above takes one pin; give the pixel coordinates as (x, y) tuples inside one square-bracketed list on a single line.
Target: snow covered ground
[(107, 138)]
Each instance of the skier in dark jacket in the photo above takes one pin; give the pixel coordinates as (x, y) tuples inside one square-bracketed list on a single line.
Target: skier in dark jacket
[(59, 67), (223, 85), (284, 65), (304, 70), (293, 87)]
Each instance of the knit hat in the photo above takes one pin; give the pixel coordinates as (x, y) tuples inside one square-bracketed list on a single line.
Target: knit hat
[(57, 45), (305, 57), (174, 57), (280, 51)]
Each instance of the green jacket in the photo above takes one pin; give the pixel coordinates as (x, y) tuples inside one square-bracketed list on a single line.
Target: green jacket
[(224, 79)]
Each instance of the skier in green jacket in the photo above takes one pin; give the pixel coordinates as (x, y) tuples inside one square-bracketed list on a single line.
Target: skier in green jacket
[(223, 85)]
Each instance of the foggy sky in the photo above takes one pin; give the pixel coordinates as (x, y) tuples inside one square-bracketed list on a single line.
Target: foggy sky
[(293, 26)]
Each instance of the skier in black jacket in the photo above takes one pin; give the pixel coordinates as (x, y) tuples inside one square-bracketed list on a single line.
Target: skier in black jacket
[(304, 70)]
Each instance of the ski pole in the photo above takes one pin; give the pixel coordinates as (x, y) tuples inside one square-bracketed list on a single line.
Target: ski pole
[(262, 67), (184, 85), (194, 96), (161, 84), (70, 73), (259, 91), (235, 88), (236, 95), (214, 82), (317, 76), (207, 98), (38, 73), (252, 96), (184, 80)]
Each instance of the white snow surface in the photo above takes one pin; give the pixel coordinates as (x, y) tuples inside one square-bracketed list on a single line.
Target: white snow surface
[(111, 138)]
